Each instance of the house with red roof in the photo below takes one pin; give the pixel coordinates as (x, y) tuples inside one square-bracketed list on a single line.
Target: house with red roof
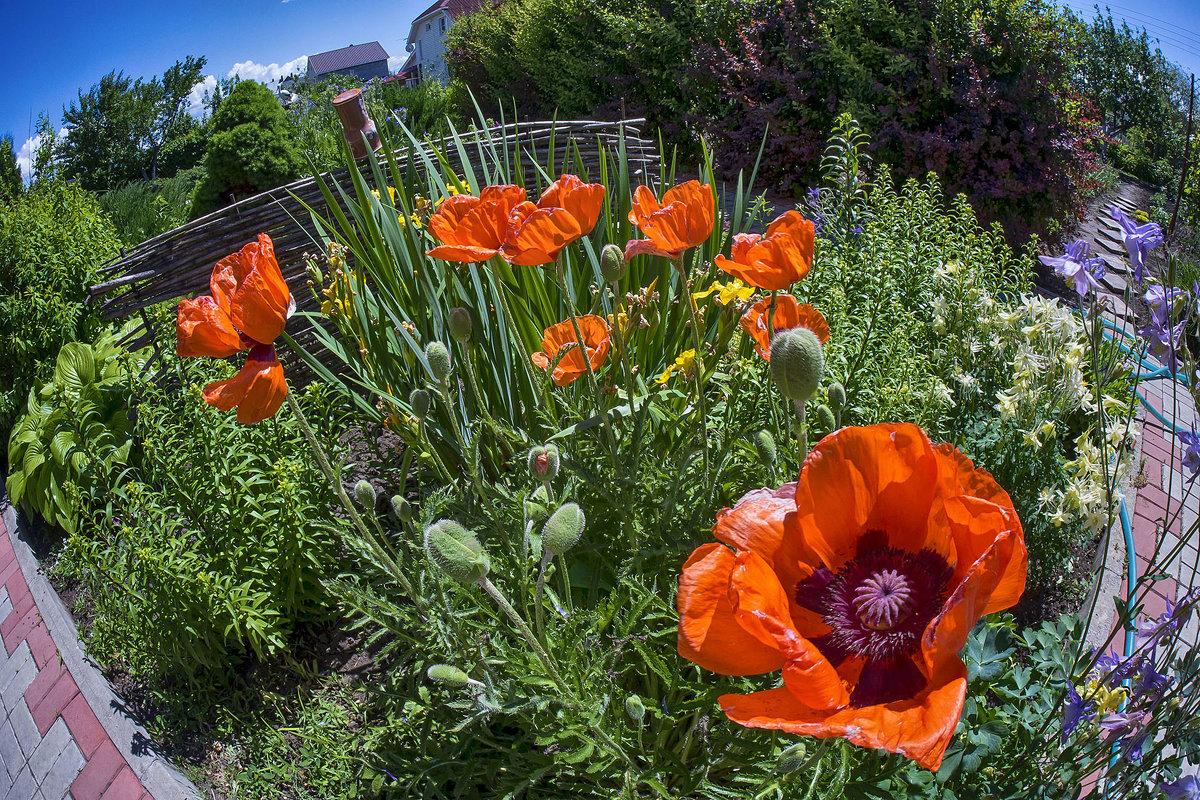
[(427, 40), (363, 61)]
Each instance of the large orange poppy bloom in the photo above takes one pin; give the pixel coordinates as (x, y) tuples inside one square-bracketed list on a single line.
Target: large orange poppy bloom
[(684, 219), (860, 583), (597, 339), (248, 307), (789, 313), (472, 229), (776, 259), (567, 210)]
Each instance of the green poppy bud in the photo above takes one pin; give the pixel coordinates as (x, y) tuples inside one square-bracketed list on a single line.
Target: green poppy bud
[(364, 493), (447, 674), (419, 400), (825, 420), (544, 461), (837, 396), (764, 443), (563, 529), (456, 551), (536, 505), (612, 263), (797, 363), (792, 759), (635, 709), (401, 508), (460, 325), (439, 361)]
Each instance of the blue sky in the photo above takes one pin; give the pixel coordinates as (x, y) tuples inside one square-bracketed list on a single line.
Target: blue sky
[(51, 50)]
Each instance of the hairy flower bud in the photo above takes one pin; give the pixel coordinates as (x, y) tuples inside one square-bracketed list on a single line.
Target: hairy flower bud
[(635, 709), (460, 325), (837, 396), (612, 263), (419, 400), (439, 361), (797, 363), (764, 443), (543, 462), (364, 493), (401, 508), (563, 529), (791, 759), (825, 420), (456, 551), (447, 674)]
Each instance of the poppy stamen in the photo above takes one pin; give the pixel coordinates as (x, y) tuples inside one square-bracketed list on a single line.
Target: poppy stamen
[(883, 600)]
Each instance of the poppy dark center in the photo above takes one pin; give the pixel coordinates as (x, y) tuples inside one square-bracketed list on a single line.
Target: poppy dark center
[(877, 607)]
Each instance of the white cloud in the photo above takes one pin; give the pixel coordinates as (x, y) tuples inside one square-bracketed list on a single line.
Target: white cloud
[(25, 156), (196, 98), (267, 73), (396, 62)]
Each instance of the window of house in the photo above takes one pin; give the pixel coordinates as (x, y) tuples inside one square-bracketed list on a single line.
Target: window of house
[(443, 23), (428, 26)]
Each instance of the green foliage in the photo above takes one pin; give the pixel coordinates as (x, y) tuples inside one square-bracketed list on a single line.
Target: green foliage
[(249, 150), (10, 174), (75, 434), (215, 545), (52, 241), (142, 209)]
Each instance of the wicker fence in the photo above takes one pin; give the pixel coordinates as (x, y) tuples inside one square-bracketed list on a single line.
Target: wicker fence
[(179, 262)]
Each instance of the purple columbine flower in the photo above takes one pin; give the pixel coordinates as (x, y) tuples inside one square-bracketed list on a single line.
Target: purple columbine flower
[(1191, 453), (1150, 682), (1186, 788), (1110, 668), (1148, 632), (1163, 338), (1075, 711), (1078, 265), (1162, 300), (1139, 240)]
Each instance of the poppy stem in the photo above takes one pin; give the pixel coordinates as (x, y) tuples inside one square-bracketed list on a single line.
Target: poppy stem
[(802, 430), (367, 537), (539, 589), (698, 372), (467, 452)]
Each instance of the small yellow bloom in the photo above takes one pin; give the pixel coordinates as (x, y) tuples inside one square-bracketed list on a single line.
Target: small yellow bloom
[(620, 322), (686, 364), (727, 292), (1107, 700)]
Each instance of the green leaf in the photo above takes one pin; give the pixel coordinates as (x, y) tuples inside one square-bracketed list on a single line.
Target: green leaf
[(75, 368)]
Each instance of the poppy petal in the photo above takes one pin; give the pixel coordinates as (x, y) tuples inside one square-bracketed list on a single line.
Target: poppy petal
[(461, 254), (647, 247), (709, 633), (789, 313), (259, 305), (537, 236), (919, 729), (202, 328), (583, 201), (258, 390)]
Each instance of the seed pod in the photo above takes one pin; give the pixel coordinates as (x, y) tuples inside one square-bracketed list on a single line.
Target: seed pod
[(447, 674), (837, 396), (460, 325), (635, 709), (612, 263), (764, 443), (401, 508), (825, 420), (563, 529), (797, 363), (419, 400), (456, 551), (439, 361), (364, 493)]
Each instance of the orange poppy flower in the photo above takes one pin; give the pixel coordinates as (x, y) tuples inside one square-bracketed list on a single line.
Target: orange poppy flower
[(684, 219), (860, 583), (789, 313), (567, 210), (561, 336), (470, 228), (776, 259), (249, 305)]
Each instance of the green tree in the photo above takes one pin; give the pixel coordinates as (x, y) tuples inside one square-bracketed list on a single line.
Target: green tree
[(105, 129), (169, 106), (10, 173), (249, 151), (47, 153)]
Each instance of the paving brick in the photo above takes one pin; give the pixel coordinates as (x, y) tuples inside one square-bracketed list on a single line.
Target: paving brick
[(95, 777), (64, 770), (124, 786), (49, 750), (45, 679), (10, 749), (41, 644), (86, 729), (24, 787), (22, 671), (28, 735), (16, 632), (50, 707)]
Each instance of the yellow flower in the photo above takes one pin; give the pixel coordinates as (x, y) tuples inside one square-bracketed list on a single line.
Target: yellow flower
[(416, 220), (620, 323), (727, 292), (1107, 700), (686, 363)]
